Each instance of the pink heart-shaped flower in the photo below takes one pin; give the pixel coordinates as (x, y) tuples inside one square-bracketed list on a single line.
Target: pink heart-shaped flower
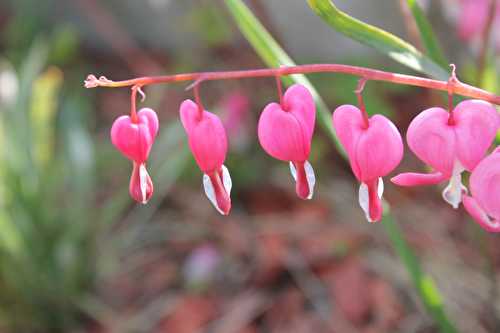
[(433, 141), (440, 144), (374, 150), (450, 144), (285, 132), (206, 135), (135, 139), (208, 143)]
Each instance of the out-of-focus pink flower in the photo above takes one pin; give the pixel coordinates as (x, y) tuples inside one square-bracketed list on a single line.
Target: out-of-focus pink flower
[(374, 151), (237, 120), (134, 139), (484, 204), (236, 105), (472, 17), (200, 266), (208, 142), (285, 132), (450, 148)]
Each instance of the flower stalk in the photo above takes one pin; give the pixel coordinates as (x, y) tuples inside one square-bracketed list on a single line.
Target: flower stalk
[(459, 88), (361, 102)]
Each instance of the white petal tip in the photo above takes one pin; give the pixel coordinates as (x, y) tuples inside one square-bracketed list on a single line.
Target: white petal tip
[(364, 201), (226, 180), (210, 193), (209, 188), (310, 177), (452, 194), (364, 198), (143, 178)]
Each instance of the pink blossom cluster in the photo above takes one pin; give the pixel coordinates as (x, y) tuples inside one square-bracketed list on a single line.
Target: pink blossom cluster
[(450, 142), (473, 17)]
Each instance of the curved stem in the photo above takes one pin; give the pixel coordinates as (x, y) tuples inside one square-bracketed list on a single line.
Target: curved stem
[(279, 86), (452, 81), (197, 99), (361, 102), (368, 73), (133, 101)]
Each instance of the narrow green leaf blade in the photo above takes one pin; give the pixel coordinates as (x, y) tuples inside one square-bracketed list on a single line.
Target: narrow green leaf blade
[(274, 56), (381, 40), (425, 285), (427, 34)]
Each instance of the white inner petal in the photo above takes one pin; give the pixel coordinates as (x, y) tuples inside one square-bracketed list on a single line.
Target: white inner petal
[(143, 179), (226, 180), (364, 200), (310, 177), (380, 189), (209, 191), (452, 194), (364, 197), (293, 171)]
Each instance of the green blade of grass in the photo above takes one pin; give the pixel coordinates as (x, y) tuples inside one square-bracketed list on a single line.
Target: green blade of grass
[(429, 39), (379, 39), (273, 55), (423, 283)]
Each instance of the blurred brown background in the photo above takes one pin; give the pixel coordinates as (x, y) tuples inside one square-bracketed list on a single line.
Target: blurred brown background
[(78, 255)]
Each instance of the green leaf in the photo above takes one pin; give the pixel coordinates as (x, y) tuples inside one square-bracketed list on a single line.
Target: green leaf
[(44, 105), (381, 40), (425, 285), (427, 34), (274, 56)]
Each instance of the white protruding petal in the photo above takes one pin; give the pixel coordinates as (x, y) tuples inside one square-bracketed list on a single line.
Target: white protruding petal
[(143, 179), (380, 189), (311, 178), (209, 191), (226, 180), (364, 200), (452, 194), (293, 171), (364, 197)]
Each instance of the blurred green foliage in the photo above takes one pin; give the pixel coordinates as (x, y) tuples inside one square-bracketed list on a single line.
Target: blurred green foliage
[(46, 255)]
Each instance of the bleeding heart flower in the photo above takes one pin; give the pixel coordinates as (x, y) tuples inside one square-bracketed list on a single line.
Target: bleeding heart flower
[(450, 147), (134, 139), (285, 132), (374, 151), (484, 204), (141, 186), (208, 142)]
